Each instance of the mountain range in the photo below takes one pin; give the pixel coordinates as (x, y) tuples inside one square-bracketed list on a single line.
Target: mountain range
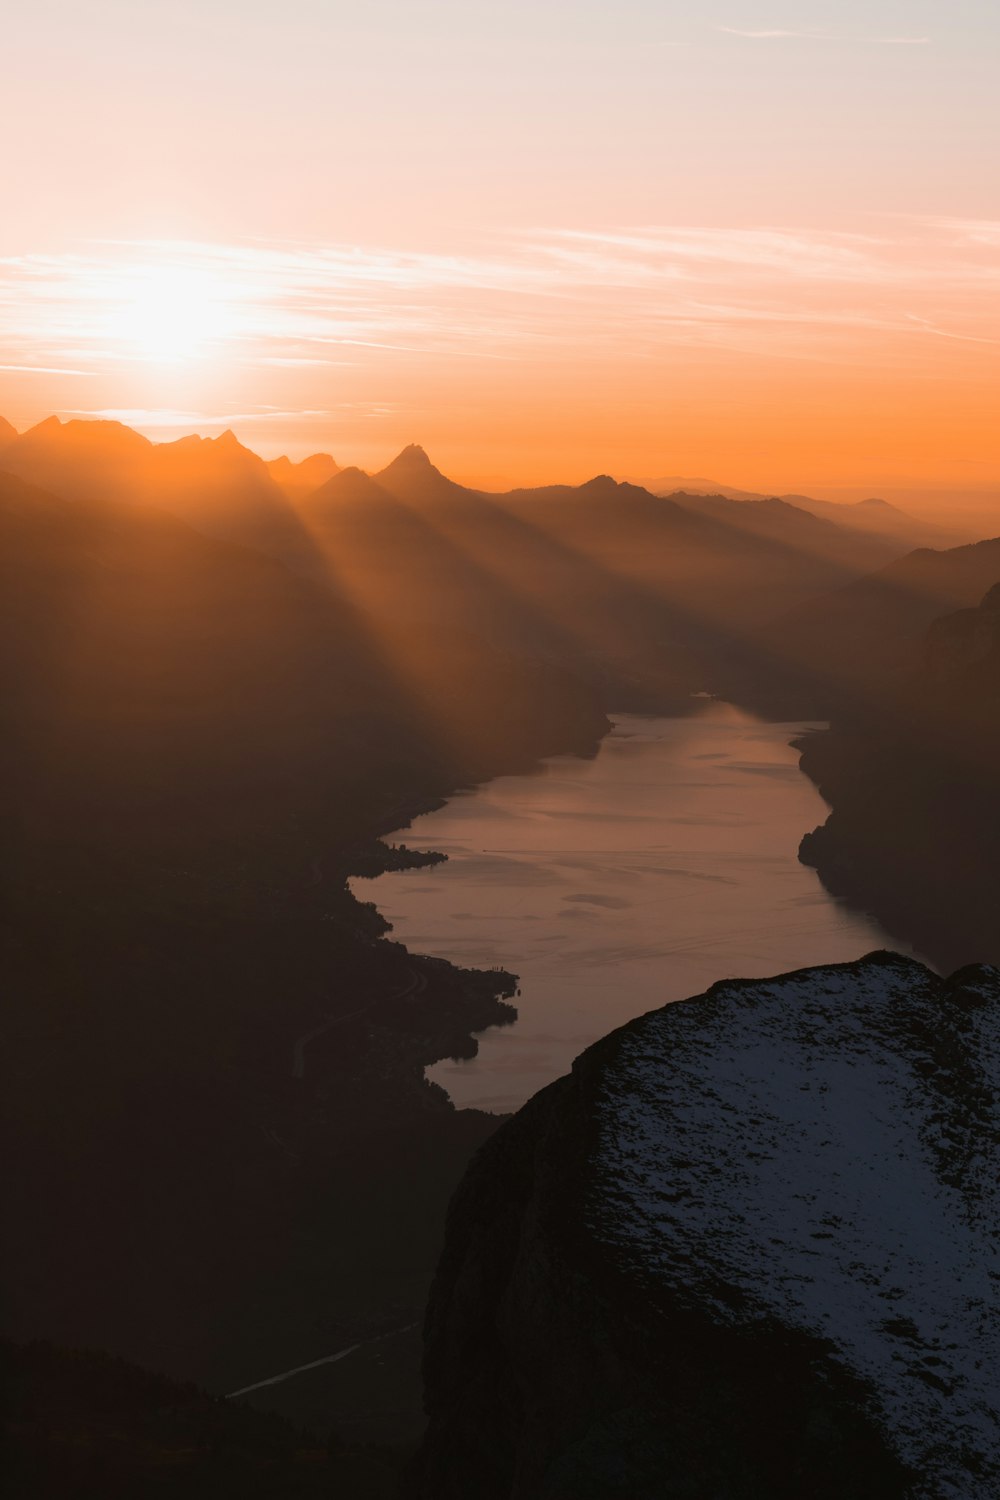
[(223, 679), (597, 576), (872, 516)]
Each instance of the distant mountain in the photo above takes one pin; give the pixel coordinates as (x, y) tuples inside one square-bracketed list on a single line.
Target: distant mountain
[(644, 592), (216, 484), (416, 553), (411, 476), (143, 643), (643, 595), (962, 656), (81, 458), (849, 644), (880, 518), (148, 643), (298, 479), (789, 524), (871, 517), (672, 484), (224, 489), (706, 559), (7, 432), (911, 774)]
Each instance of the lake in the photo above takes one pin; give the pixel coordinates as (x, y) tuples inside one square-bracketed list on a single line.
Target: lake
[(615, 884)]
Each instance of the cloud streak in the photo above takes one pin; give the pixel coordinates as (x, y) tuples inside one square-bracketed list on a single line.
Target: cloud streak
[(780, 34), (41, 370), (189, 421), (776, 34), (329, 314)]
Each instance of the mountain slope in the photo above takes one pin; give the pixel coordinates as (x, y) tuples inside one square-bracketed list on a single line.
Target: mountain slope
[(878, 518), (915, 820), (787, 523), (647, 598), (872, 517), (298, 479), (196, 745), (411, 476), (217, 485), (743, 1249), (847, 647), (607, 573)]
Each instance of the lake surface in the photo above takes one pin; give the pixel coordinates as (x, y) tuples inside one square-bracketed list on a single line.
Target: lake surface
[(613, 885)]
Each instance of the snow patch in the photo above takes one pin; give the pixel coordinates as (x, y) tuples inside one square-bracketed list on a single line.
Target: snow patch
[(822, 1149)]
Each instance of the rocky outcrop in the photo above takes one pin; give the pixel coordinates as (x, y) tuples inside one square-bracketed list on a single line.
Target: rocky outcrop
[(747, 1248)]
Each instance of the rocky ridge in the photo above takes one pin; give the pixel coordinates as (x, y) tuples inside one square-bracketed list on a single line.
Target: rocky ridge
[(747, 1248)]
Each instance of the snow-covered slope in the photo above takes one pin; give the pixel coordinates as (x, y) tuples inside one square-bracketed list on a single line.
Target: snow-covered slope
[(748, 1249), (822, 1150)]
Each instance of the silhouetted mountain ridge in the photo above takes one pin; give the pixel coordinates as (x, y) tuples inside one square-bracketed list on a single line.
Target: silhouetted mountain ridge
[(647, 597), (298, 479), (193, 740), (911, 775), (216, 484), (847, 648), (872, 516)]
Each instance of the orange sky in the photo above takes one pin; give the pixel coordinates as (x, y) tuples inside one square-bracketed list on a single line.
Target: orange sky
[(758, 244)]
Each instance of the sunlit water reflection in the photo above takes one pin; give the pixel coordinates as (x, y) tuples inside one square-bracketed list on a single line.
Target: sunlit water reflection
[(616, 884)]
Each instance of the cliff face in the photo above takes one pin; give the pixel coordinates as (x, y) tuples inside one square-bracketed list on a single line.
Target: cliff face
[(746, 1249), (916, 801), (962, 651)]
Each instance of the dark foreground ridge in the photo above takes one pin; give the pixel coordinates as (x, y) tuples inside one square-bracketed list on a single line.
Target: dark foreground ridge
[(82, 1425), (745, 1249)]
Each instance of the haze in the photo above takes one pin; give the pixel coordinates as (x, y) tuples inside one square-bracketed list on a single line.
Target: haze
[(754, 242)]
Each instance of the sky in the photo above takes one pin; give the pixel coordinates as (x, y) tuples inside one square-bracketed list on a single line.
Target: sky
[(756, 240)]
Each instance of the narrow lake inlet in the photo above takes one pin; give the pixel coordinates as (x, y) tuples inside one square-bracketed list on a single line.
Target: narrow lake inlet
[(616, 884)]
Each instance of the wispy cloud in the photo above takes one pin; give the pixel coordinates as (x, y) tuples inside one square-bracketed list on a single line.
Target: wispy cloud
[(776, 34), (41, 370), (780, 34), (927, 326), (331, 314), (967, 233), (189, 421)]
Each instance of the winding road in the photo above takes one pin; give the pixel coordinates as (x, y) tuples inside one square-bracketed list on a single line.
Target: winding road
[(328, 1359)]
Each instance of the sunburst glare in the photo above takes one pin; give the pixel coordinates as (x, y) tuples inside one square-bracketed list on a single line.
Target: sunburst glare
[(171, 314)]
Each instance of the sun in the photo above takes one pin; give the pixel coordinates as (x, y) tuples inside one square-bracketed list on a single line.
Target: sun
[(171, 314)]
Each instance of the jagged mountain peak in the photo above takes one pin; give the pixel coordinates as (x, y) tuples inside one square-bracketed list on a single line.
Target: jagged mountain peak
[(351, 483), (44, 428), (105, 433), (412, 476), (412, 458)]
